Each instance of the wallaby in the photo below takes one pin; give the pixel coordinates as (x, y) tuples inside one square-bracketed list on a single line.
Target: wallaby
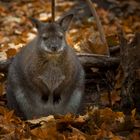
[(46, 76)]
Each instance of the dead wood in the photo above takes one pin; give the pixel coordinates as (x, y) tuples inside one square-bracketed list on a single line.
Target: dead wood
[(99, 25), (114, 49), (130, 64), (99, 61), (87, 60)]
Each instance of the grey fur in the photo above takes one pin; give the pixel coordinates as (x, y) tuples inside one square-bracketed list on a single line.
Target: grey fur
[(46, 77)]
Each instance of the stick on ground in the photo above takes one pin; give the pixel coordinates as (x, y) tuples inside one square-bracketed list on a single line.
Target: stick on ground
[(99, 25)]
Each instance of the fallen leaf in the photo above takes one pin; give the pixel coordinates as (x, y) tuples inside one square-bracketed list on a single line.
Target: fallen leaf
[(11, 52)]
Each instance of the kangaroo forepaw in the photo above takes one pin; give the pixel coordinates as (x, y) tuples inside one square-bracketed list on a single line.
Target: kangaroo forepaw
[(44, 98), (56, 98)]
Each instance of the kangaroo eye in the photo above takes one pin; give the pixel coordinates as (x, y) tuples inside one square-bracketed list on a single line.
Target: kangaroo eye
[(45, 37), (60, 35)]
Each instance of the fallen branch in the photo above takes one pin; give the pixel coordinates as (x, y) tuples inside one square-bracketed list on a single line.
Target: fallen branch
[(99, 25), (114, 49), (87, 60), (93, 60)]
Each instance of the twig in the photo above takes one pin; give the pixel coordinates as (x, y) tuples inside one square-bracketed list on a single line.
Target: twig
[(99, 25), (91, 55), (53, 10)]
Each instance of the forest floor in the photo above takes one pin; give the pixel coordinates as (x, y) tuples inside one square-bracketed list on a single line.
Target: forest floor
[(103, 117)]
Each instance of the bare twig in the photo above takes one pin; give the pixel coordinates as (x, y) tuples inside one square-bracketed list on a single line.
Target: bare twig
[(91, 55), (53, 10), (99, 25)]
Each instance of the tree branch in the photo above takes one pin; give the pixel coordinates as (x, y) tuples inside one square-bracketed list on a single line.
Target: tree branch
[(99, 25)]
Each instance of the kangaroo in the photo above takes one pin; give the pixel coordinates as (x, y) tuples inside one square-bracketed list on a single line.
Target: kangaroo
[(46, 77)]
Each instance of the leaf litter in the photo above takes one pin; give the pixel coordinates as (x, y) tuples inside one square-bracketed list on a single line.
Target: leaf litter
[(96, 124)]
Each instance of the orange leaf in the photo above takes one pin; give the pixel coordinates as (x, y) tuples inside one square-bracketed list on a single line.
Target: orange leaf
[(133, 114), (11, 52)]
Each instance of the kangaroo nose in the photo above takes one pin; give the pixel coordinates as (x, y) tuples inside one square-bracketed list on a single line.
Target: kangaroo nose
[(54, 48)]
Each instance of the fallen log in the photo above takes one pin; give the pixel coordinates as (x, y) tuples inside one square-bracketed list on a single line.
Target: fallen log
[(99, 61), (114, 49), (87, 60)]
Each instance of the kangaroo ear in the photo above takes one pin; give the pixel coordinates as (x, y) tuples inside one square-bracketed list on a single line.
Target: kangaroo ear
[(36, 22), (65, 21)]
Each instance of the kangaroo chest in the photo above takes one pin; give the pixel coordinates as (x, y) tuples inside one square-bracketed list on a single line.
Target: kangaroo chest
[(52, 77)]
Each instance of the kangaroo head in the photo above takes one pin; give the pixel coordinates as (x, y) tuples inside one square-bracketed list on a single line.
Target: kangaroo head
[(51, 35)]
